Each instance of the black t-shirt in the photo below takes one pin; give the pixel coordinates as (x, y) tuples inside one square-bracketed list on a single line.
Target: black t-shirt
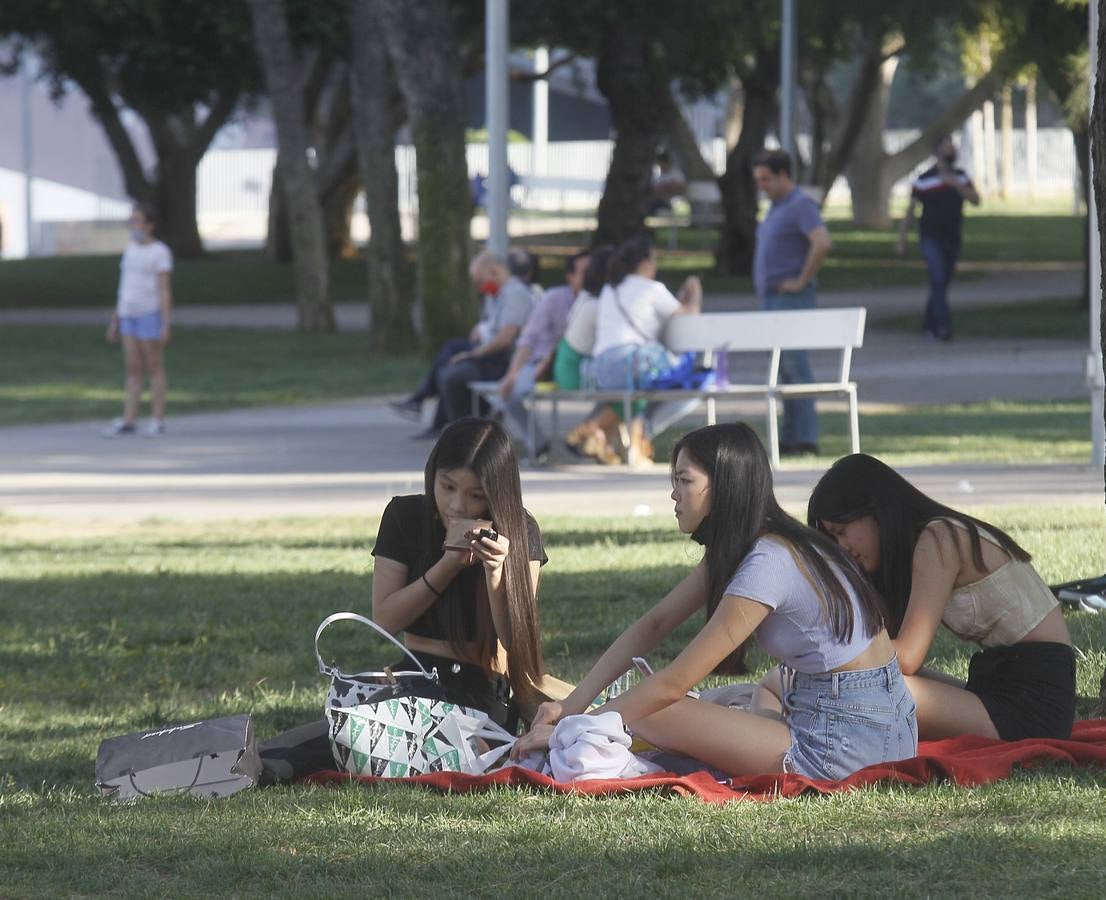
[(942, 205), (411, 534)]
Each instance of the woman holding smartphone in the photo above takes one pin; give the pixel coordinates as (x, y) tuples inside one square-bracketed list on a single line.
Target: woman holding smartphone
[(457, 571)]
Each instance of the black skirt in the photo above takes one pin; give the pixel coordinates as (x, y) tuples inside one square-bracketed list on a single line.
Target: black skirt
[(1028, 689)]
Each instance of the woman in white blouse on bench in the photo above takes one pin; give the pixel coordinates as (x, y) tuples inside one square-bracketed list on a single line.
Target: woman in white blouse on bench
[(633, 310)]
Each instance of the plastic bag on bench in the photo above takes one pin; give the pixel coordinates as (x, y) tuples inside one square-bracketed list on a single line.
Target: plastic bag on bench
[(657, 372)]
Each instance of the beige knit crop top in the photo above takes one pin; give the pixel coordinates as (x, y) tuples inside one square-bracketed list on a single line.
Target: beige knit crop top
[(1001, 608)]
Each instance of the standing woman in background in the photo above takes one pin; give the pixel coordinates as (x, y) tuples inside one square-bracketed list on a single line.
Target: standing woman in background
[(933, 566), (142, 321)]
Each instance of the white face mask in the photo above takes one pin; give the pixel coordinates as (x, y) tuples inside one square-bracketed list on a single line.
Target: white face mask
[(138, 235)]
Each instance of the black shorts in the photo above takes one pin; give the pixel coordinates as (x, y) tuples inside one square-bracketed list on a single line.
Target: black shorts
[(1028, 689)]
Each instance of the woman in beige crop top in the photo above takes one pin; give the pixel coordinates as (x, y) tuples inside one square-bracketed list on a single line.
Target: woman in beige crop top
[(934, 565)]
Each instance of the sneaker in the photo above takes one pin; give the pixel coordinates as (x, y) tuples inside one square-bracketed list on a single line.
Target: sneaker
[(119, 427), (153, 428), (409, 409)]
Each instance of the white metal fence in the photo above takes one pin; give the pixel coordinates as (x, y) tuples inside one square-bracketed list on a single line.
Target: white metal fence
[(233, 185)]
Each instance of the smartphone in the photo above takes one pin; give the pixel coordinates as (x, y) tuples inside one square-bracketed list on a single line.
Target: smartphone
[(461, 531)]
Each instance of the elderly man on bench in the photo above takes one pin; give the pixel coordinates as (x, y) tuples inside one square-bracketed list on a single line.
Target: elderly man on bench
[(484, 355)]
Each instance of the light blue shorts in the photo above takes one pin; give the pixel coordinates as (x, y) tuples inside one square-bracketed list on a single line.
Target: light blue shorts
[(843, 721), (145, 328)]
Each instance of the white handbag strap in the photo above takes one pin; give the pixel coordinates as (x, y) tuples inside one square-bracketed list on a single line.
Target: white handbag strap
[(332, 671)]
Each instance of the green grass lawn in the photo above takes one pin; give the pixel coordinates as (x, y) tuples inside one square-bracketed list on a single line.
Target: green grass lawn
[(114, 629), (861, 258), (65, 373), (994, 432), (1058, 318)]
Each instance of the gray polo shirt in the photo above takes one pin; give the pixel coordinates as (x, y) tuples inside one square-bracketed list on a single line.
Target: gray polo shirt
[(511, 306), (782, 242)]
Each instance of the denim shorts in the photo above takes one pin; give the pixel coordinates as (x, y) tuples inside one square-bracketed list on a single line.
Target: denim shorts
[(145, 328), (843, 721)]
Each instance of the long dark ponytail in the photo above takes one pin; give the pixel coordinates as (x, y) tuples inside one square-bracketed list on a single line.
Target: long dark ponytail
[(744, 508), (626, 258)]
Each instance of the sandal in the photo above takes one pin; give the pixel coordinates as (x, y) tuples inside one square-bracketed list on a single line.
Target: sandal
[(596, 447)]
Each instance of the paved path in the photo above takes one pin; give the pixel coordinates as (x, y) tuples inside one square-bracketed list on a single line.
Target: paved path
[(349, 458)]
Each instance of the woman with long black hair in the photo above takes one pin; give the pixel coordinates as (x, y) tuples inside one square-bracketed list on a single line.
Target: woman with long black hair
[(935, 565), (470, 610), (845, 705), (471, 613)]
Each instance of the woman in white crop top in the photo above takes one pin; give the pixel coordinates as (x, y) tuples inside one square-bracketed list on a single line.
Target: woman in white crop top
[(933, 566), (847, 706)]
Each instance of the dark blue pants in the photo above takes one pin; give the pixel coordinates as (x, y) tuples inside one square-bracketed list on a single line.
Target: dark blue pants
[(800, 418), (940, 255)]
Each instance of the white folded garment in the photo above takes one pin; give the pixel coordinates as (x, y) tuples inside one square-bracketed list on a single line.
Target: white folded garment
[(594, 746)]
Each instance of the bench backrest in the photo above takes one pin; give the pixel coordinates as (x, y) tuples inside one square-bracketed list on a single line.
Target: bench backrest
[(814, 329)]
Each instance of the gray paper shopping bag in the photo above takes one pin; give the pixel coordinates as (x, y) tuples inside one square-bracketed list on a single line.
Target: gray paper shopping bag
[(208, 759)]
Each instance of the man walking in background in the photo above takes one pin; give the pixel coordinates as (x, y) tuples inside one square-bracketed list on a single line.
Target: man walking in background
[(941, 190), (792, 243)]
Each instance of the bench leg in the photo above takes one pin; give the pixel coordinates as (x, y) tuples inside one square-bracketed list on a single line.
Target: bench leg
[(773, 433), (854, 421), (712, 419), (532, 432), (627, 420), (555, 438)]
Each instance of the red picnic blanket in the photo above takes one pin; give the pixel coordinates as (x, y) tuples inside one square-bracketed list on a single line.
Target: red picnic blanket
[(966, 761)]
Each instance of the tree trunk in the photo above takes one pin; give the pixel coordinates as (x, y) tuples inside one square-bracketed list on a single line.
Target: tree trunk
[(1081, 136), (283, 77), (737, 237), (683, 144), (180, 141), (626, 77), (425, 56), (867, 173), (376, 118), (871, 86), (872, 177), (337, 200), (175, 201), (1097, 139), (278, 238)]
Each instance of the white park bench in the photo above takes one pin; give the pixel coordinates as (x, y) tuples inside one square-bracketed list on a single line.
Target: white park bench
[(735, 333)]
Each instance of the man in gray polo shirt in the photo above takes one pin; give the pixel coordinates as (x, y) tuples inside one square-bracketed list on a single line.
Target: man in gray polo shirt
[(484, 355), (792, 244)]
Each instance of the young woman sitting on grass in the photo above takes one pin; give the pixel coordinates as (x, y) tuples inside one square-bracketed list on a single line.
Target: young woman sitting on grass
[(933, 566), (459, 609), (846, 707)]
